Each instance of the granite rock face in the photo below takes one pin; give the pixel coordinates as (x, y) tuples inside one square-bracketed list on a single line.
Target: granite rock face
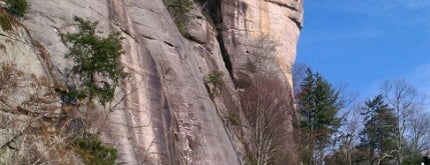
[(262, 24), (168, 113), (16, 47)]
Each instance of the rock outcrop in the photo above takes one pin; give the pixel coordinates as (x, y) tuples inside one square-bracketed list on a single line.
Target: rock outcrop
[(168, 113), (257, 24)]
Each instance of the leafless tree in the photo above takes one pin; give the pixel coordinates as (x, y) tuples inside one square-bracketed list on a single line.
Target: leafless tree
[(349, 132), (35, 126), (28, 111), (267, 105), (406, 101), (299, 73), (419, 130)]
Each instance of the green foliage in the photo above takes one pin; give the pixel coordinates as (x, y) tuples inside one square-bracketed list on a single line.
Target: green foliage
[(250, 159), (412, 158), (233, 118), (179, 6), (94, 57), (178, 9), (215, 79), (5, 22), (379, 128), (17, 8), (93, 152), (318, 105), (306, 154)]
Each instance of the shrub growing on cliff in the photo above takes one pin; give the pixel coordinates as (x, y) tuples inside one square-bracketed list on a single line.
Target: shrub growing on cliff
[(215, 82), (178, 9), (28, 120), (17, 7), (5, 22), (96, 62), (179, 6), (94, 152)]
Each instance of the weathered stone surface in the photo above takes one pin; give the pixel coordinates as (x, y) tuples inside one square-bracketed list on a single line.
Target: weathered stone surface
[(247, 21), (167, 115), (16, 47), (23, 87), (263, 35)]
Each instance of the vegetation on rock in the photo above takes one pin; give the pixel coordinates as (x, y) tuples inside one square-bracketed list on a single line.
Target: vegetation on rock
[(215, 82), (17, 8), (179, 10), (96, 62), (5, 21), (233, 117), (97, 73), (94, 152), (28, 120)]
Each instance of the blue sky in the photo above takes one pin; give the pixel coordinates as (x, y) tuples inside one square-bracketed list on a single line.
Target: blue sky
[(362, 43)]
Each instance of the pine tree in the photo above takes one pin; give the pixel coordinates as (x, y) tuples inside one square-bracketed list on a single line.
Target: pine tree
[(318, 104), (378, 133), (94, 56)]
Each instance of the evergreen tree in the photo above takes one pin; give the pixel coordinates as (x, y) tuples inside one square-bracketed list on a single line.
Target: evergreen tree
[(378, 133), (318, 104), (96, 61)]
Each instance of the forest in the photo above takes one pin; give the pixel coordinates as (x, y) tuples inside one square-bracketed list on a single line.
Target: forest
[(336, 127)]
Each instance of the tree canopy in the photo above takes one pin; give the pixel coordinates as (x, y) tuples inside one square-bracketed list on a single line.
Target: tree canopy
[(318, 104), (378, 133)]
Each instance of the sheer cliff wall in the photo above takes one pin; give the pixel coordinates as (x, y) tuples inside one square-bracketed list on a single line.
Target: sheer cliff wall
[(168, 114)]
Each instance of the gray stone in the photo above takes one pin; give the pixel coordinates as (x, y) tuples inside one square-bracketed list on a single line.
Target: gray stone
[(167, 115)]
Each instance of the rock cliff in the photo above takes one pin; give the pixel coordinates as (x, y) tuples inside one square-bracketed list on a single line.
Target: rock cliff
[(168, 113)]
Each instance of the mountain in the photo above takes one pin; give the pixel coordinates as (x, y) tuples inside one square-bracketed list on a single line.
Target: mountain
[(168, 110)]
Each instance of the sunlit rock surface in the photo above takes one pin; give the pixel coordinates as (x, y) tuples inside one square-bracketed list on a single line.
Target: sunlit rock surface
[(166, 114)]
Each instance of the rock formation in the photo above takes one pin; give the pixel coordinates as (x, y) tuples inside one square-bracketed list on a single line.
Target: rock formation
[(168, 114)]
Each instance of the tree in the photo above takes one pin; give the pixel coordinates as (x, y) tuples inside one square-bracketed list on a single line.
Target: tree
[(419, 131), (347, 137), (405, 101), (299, 73), (417, 137), (378, 135), (318, 104), (267, 105), (96, 62)]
